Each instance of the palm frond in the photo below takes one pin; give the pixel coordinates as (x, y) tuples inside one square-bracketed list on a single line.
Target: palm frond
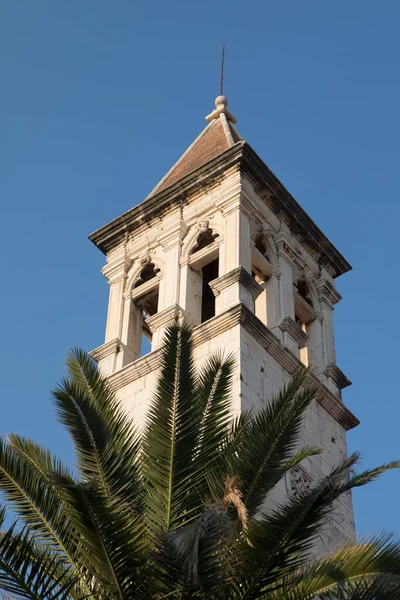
[(30, 571), (106, 445), (283, 538), (369, 566), (112, 432), (271, 438), (116, 537), (169, 442)]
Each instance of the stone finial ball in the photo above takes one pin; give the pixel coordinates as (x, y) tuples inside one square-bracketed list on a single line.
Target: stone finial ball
[(221, 100)]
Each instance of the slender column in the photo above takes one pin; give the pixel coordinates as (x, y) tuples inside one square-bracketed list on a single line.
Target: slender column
[(285, 287), (190, 297), (272, 289), (328, 296), (237, 246)]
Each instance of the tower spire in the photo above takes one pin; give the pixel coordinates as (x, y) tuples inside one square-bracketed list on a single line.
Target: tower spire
[(221, 85)]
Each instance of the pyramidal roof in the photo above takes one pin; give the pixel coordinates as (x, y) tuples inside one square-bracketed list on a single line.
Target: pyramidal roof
[(219, 135)]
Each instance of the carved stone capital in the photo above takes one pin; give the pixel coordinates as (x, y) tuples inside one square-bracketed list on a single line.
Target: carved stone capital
[(238, 275), (326, 292), (337, 376), (285, 247), (116, 270), (301, 338)]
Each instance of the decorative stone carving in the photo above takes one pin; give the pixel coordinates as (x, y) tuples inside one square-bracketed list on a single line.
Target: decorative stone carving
[(203, 225), (300, 481), (145, 258)]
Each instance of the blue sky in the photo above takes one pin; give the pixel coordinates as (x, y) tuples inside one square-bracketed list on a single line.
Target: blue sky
[(99, 98)]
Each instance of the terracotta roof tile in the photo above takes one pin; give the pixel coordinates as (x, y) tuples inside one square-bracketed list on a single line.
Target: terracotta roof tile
[(208, 146)]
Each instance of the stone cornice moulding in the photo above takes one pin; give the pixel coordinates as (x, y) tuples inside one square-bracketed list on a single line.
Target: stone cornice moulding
[(300, 337), (139, 368), (105, 350), (337, 376), (241, 158), (164, 318), (240, 276), (240, 314), (327, 292)]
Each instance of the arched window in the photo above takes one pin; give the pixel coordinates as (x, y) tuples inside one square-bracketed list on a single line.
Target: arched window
[(144, 297), (261, 245), (148, 272), (203, 268), (304, 313), (204, 239)]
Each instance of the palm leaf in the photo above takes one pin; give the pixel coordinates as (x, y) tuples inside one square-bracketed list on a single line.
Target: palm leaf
[(270, 441), (169, 440), (362, 569), (30, 571)]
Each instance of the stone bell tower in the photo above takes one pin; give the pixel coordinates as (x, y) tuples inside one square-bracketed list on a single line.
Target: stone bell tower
[(221, 242)]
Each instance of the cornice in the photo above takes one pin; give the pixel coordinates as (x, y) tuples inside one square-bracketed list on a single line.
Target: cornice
[(111, 234), (250, 164), (291, 364), (164, 318), (139, 368), (238, 275), (105, 350), (298, 219), (337, 376), (299, 336), (240, 314)]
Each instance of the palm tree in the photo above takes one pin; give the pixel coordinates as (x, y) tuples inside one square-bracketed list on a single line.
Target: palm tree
[(175, 511)]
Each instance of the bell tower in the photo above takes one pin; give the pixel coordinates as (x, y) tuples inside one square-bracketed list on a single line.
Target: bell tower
[(221, 242)]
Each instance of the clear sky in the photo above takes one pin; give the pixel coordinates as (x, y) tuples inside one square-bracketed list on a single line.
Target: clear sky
[(99, 98)]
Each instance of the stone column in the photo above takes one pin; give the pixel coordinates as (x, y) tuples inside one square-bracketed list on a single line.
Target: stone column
[(286, 314), (237, 246), (328, 296), (110, 354)]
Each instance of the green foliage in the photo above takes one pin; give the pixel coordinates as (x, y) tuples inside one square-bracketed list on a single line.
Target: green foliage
[(179, 509)]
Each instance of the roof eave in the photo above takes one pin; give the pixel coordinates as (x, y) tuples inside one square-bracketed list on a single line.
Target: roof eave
[(109, 235), (300, 220), (241, 153)]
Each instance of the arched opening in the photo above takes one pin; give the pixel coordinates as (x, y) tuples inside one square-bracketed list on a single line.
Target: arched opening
[(203, 268), (304, 314), (261, 245), (204, 239), (143, 304), (146, 274), (304, 291)]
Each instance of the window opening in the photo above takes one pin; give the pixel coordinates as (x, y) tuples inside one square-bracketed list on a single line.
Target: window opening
[(303, 351), (148, 306), (261, 246), (303, 291), (209, 273), (148, 272), (204, 239)]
